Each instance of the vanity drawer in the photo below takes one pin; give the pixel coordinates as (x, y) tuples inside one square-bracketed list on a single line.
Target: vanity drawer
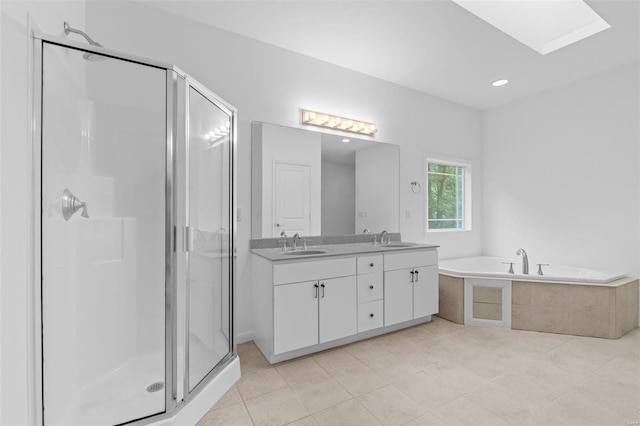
[(410, 259), (369, 264), (313, 270), (370, 315), (370, 287)]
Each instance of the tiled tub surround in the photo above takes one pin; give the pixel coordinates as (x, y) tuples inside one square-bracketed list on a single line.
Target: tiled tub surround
[(607, 310), (349, 292)]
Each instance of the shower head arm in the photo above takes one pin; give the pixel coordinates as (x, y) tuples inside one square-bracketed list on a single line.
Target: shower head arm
[(68, 29)]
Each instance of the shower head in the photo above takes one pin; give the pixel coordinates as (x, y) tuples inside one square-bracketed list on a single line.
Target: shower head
[(88, 56)]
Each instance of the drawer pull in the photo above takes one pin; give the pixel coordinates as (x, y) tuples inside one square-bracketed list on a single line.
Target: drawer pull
[(371, 315), (371, 287), (371, 264)]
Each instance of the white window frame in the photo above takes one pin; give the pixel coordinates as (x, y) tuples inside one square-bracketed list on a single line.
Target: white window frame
[(467, 207)]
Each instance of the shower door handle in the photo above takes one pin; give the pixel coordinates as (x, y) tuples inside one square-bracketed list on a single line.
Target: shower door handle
[(187, 239)]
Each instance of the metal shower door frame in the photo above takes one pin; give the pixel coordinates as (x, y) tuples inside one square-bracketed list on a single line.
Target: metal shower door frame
[(232, 112), (174, 77)]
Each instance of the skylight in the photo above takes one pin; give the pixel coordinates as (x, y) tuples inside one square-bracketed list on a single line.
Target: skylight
[(543, 25)]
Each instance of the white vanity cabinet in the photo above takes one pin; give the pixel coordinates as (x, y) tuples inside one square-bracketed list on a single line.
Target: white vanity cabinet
[(301, 306), (313, 312), (410, 286), (313, 302)]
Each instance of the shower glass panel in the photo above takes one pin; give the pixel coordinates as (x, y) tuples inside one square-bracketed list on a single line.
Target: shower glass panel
[(103, 238), (208, 253)]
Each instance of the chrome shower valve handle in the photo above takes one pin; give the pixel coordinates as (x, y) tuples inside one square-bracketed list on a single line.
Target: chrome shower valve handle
[(71, 204)]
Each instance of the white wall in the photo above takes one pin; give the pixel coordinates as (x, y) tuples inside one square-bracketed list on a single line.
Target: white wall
[(338, 198), (561, 175), (14, 161), (270, 84)]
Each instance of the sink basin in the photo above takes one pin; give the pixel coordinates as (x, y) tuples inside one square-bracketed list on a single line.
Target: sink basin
[(398, 244), (303, 252)]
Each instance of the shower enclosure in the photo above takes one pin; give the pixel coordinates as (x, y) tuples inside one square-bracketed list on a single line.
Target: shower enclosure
[(134, 183)]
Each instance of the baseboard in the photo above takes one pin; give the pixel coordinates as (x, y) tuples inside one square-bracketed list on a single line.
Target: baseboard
[(245, 336)]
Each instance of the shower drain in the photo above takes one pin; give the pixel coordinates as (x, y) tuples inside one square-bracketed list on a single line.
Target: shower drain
[(155, 387)]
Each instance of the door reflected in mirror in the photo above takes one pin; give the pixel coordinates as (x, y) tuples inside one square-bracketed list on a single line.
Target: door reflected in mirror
[(315, 183)]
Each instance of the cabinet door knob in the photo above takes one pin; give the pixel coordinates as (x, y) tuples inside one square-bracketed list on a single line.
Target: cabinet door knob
[(371, 287), (371, 264), (371, 315)]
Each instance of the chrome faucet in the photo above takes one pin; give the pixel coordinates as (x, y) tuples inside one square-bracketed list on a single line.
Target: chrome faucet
[(385, 234), (525, 261), (366, 231), (294, 240)]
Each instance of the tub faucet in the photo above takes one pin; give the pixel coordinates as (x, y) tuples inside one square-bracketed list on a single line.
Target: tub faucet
[(385, 234), (525, 261)]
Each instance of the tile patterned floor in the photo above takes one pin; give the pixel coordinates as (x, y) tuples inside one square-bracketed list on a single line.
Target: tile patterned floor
[(441, 373)]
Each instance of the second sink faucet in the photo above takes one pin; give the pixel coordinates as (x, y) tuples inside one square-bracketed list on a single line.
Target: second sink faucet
[(294, 240), (525, 261), (385, 234)]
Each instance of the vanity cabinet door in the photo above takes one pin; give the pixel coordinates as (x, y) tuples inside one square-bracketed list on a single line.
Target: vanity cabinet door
[(295, 316), (425, 291), (398, 296), (338, 308)]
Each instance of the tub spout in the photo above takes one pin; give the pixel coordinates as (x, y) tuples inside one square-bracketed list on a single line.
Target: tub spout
[(525, 261)]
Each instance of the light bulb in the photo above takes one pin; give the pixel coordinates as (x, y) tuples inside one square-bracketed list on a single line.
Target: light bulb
[(211, 134), (312, 115), (372, 128), (349, 124), (207, 136)]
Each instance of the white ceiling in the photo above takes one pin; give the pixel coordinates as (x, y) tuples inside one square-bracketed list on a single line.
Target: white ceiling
[(433, 46)]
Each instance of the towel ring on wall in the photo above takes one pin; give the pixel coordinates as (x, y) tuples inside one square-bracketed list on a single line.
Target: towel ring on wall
[(416, 188)]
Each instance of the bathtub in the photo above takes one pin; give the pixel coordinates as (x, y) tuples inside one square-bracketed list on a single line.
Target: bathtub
[(492, 267)]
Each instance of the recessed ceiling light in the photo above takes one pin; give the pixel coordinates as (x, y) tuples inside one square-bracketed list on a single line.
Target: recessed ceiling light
[(500, 82), (544, 26), (345, 140)]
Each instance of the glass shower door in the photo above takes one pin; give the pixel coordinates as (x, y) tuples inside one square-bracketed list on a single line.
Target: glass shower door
[(209, 227), (103, 238)]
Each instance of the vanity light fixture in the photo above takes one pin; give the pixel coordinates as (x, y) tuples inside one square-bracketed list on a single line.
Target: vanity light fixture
[(315, 118), (500, 82)]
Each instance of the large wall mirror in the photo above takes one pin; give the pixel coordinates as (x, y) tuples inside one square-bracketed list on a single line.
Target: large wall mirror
[(313, 183)]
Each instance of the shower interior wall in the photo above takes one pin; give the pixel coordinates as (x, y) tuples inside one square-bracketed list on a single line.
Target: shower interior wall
[(17, 388)]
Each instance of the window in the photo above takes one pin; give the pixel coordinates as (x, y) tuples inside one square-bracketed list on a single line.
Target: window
[(448, 201)]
